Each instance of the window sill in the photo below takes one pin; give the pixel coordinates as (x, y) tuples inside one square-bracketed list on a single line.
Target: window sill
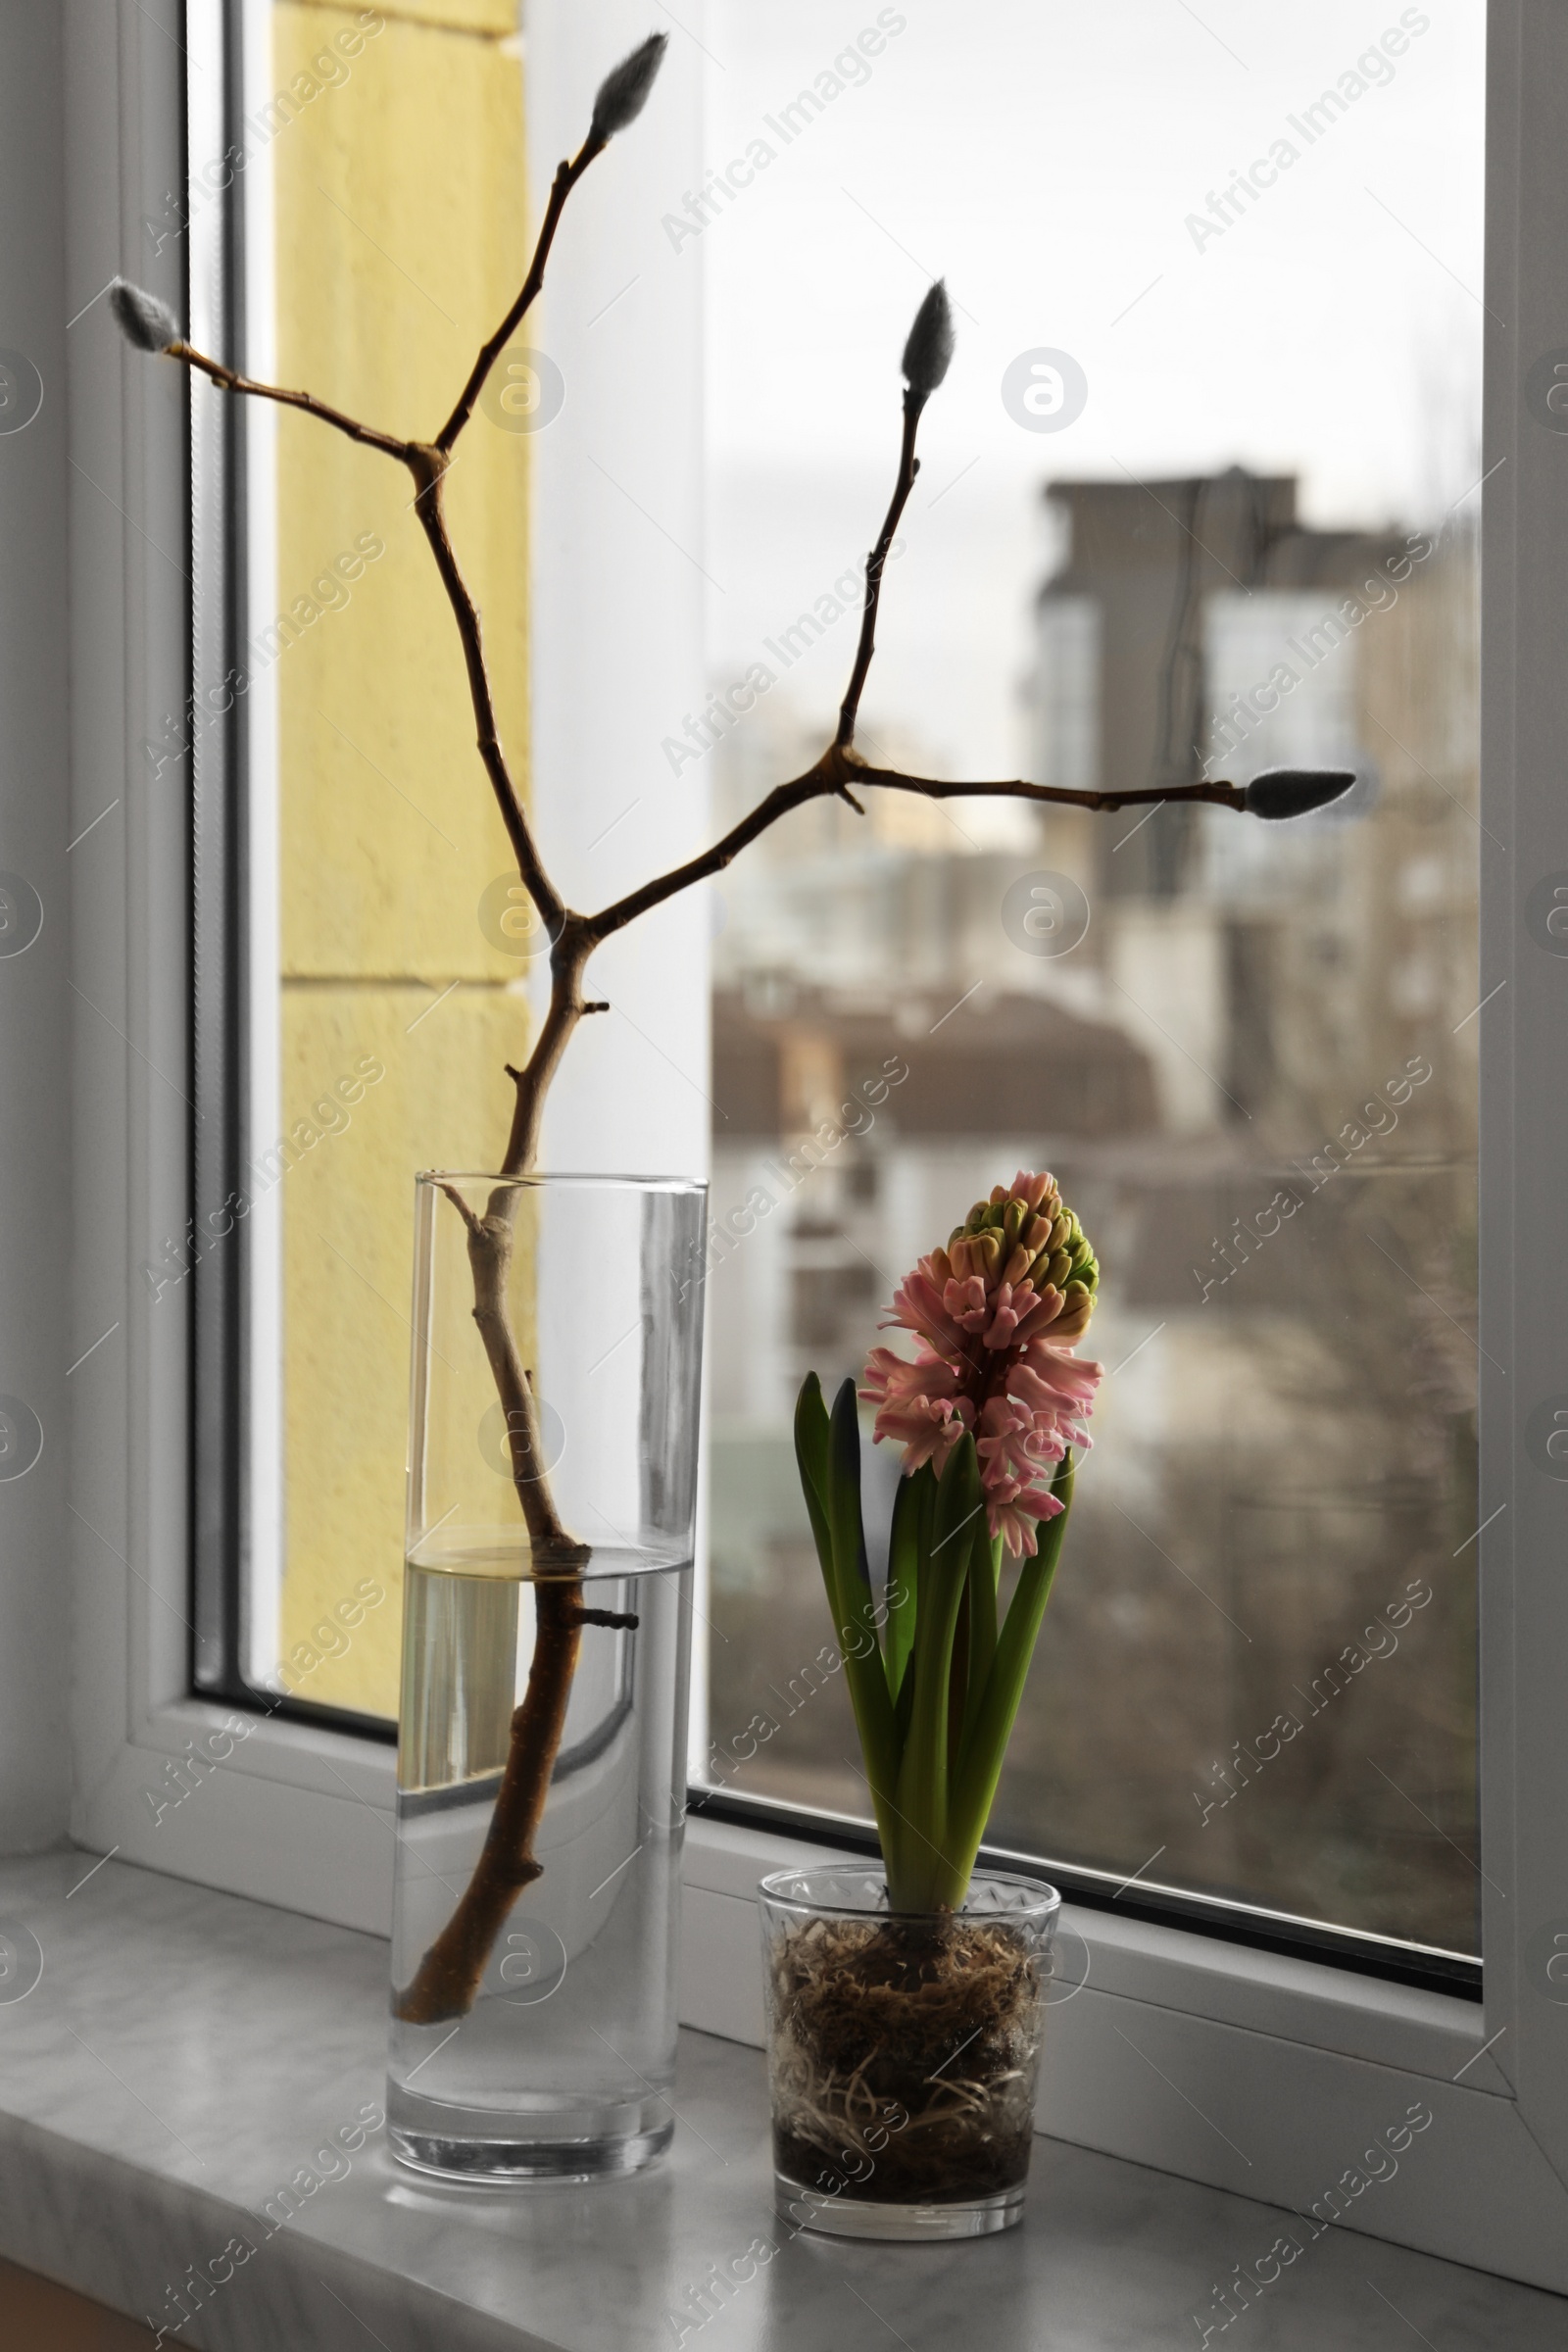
[(185, 2052)]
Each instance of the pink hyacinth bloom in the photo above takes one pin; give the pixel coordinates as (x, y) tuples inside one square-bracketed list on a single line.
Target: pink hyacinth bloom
[(983, 1361), (921, 1406), (921, 1305)]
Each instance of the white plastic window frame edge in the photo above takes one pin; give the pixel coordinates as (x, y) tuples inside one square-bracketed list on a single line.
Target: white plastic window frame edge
[(1261, 2075)]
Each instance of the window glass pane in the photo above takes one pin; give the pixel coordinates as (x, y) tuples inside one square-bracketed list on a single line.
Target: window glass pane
[(1199, 498), (384, 210)]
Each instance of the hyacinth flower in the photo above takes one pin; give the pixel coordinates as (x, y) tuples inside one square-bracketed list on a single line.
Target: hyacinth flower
[(990, 1410)]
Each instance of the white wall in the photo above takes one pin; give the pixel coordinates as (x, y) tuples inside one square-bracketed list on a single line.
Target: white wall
[(617, 640)]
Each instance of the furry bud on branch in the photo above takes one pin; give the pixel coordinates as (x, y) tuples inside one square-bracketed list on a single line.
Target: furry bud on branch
[(929, 353), (141, 317), (624, 92), (1284, 792)]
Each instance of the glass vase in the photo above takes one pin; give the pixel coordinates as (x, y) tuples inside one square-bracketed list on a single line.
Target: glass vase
[(542, 1727), (901, 2051)]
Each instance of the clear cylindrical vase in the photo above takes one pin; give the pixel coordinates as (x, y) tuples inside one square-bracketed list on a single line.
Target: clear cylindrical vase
[(901, 2051), (542, 1728)]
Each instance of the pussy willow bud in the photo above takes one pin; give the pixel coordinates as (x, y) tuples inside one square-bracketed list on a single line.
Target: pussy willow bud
[(141, 317), (929, 353), (624, 92), (1285, 792)]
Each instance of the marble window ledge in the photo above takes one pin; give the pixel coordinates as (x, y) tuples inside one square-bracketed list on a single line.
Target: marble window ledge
[(184, 2052)]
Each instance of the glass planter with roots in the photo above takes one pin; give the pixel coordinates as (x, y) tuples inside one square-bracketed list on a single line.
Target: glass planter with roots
[(904, 2005)]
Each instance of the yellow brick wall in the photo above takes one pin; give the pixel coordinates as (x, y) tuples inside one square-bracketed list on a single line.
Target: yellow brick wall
[(400, 241)]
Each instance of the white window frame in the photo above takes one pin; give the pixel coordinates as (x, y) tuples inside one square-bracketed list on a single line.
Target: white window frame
[(1265, 2075)]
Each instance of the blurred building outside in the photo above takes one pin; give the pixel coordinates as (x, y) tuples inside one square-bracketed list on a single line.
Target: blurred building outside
[(1244, 1050)]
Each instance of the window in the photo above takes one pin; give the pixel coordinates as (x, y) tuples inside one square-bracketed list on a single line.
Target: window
[(1199, 499), (368, 979), (376, 231), (1246, 1052), (614, 670)]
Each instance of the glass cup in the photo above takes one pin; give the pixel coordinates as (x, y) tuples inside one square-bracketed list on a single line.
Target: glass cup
[(542, 1727), (901, 2051)]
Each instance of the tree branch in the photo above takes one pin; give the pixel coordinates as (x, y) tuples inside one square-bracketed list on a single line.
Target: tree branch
[(566, 177), (231, 381), (568, 955), (428, 463), (875, 563), (1015, 788), (831, 778)]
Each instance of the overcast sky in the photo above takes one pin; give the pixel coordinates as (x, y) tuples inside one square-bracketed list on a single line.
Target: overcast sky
[(1045, 159)]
